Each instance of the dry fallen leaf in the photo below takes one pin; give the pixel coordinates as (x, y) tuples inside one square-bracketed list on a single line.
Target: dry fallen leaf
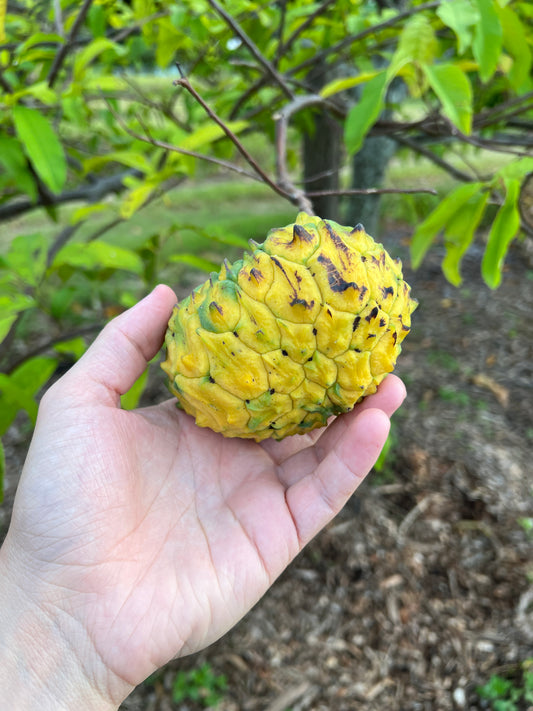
[(500, 393)]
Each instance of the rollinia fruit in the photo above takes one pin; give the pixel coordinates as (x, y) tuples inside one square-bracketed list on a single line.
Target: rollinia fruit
[(302, 328)]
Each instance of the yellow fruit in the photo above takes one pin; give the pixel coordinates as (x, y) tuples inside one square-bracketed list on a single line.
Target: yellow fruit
[(301, 329)]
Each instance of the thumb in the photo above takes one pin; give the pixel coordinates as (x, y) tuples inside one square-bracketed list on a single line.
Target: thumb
[(123, 348)]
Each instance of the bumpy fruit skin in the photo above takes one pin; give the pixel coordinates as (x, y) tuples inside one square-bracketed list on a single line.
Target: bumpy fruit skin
[(301, 329)]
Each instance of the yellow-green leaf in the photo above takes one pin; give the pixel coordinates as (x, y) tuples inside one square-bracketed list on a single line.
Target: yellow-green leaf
[(3, 7), (460, 16), (459, 234), (98, 255), (2, 464), (438, 219), (338, 85), (454, 91), (89, 53), (135, 199), (210, 132), (516, 44), (504, 228), (364, 114), (487, 43), (192, 260)]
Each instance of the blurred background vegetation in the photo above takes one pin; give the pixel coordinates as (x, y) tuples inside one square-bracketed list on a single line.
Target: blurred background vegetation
[(141, 141)]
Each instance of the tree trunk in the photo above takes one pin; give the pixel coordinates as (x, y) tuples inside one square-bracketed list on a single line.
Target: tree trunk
[(368, 170), (322, 151)]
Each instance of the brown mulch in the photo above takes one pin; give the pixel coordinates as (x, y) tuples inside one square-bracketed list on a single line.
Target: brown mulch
[(421, 588)]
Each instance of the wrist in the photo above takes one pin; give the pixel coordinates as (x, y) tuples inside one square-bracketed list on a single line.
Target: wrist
[(38, 667)]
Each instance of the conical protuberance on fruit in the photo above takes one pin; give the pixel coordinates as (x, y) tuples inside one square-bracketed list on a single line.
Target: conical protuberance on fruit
[(302, 328)]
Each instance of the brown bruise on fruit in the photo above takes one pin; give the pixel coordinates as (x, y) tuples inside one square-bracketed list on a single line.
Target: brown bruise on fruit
[(299, 330), (293, 295)]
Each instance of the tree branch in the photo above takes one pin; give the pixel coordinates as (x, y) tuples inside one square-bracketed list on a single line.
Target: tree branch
[(148, 138), (184, 82), (65, 48), (282, 119), (372, 191), (448, 167), (352, 39), (284, 48), (269, 68), (47, 345), (89, 192)]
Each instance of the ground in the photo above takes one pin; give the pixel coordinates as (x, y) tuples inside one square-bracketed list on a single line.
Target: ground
[(421, 589)]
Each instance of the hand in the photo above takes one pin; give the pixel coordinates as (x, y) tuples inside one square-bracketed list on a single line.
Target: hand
[(137, 536)]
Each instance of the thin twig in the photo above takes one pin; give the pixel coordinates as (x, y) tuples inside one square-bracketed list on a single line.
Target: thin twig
[(487, 117), (371, 191), (281, 30), (64, 49), (61, 240), (47, 345), (90, 193), (352, 39), (185, 83), (176, 149), (283, 49), (254, 50), (448, 167)]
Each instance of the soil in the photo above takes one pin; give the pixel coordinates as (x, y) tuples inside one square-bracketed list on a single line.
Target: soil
[(422, 587)]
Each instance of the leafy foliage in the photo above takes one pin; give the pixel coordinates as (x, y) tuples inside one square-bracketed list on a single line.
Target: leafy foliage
[(90, 119), (506, 694), (201, 685)]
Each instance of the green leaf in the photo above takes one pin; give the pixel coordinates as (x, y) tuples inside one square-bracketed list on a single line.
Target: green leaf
[(338, 85), (135, 199), (454, 91), (459, 234), (133, 159), (97, 20), (27, 257), (82, 213), (15, 303), (16, 165), (194, 261), (461, 16), (209, 133), (13, 398), (89, 53), (40, 91), (438, 219), (42, 146), (130, 400), (487, 44), (363, 115), (2, 471), (417, 41), (168, 42), (516, 169), (74, 346), (34, 373), (504, 228), (98, 255), (5, 324)]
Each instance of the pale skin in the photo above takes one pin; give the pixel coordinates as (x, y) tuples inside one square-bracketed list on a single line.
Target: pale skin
[(138, 537)]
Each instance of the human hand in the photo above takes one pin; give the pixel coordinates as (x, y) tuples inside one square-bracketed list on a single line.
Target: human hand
[(137, 536)]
